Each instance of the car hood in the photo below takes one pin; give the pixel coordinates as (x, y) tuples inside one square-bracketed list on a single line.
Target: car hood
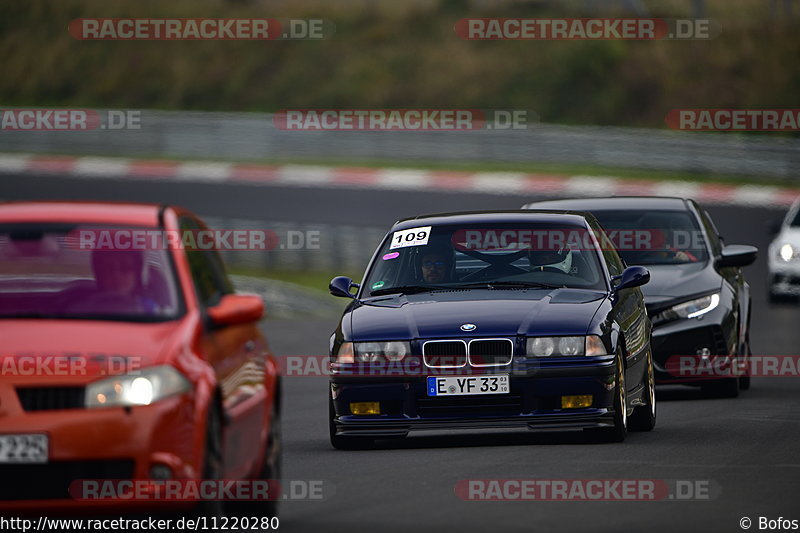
[(674, 282), (441, 314), (104, 345)]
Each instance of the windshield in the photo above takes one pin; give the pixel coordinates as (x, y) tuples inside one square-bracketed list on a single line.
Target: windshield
[(44, 273), (491, 256), (654, 237)]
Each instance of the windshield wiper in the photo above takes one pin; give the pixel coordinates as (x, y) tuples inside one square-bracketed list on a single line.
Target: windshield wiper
[(511, 284), (408, 289)]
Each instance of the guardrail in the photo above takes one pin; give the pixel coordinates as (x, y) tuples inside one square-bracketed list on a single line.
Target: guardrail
[(338, 248), (253, 136)]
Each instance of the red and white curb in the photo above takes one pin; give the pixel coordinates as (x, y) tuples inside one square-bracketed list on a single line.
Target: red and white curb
[(524, 184)]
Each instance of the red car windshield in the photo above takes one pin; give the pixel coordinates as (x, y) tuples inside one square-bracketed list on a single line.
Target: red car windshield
[(46, 273)]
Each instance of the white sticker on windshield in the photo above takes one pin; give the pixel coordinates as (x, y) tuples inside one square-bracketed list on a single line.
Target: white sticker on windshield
[(410, 237)]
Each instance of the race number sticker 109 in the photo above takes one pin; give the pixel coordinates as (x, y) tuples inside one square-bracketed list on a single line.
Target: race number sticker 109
[(410, 237)]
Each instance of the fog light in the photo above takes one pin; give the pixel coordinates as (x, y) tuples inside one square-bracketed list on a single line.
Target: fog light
[(365, 408), (160, 472), (576, 402)]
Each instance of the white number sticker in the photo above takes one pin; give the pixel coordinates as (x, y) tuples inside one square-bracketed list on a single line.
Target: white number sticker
[(410, 237)]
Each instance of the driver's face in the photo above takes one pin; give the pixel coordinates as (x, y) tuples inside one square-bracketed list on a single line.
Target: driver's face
[(433, 268)]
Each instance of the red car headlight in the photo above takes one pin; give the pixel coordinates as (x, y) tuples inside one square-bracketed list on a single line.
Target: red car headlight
[(142, 388)]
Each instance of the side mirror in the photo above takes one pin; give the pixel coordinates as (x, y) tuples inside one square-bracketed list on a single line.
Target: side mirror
[(341, 285), (236, 309), (633, 276), (736, 255), (774, 226)]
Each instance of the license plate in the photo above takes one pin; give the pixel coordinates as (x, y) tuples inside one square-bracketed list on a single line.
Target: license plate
[(23, 448), (467, 385)]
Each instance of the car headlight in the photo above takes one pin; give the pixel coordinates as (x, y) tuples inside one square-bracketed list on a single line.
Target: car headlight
[(787, 252), (691, 309), (590, 345), (143, 388), (345, 353), (372, 352)]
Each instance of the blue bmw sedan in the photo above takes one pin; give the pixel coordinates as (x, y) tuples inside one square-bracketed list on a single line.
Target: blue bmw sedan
[(495, 320)]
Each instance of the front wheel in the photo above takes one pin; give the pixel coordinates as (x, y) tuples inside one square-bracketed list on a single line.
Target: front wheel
[(212, 462), (620, 429), (270, 472), (744, 381), (644, 416)]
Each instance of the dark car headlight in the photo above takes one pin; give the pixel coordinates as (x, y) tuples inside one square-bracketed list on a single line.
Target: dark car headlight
[(589, 345), (372, 352), (691, 309)]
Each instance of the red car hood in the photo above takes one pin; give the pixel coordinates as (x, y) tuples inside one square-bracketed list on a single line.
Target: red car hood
[(89, 348)]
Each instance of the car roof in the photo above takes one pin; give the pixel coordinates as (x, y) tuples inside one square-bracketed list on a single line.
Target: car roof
[(568, 217), (616, 203), (121, 213)]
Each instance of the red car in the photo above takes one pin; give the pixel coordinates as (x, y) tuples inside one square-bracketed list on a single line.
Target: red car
[(136, 364)]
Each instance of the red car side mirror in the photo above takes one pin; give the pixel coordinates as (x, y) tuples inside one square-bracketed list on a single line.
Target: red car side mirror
[(236, 309)]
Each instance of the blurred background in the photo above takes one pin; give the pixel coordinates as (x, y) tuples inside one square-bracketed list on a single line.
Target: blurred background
[(596, 109), (597, 128)]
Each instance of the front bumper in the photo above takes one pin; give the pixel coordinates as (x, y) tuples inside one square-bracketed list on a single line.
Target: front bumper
[(784, 277), (533, 401), (108, 443), (683, 348)]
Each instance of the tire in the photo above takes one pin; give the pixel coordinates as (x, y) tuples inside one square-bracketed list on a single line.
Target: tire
[(273, 461), (644, 416), (620, 429), (270, 470), (212, 462), (341, 442), (744, 381)]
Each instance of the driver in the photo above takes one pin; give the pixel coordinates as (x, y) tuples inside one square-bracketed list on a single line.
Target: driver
[(117, 272), (671, 251), (119, 282), (435, 265)]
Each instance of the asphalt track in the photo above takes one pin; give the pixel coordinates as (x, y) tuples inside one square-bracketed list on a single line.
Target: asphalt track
[(745, 448)]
